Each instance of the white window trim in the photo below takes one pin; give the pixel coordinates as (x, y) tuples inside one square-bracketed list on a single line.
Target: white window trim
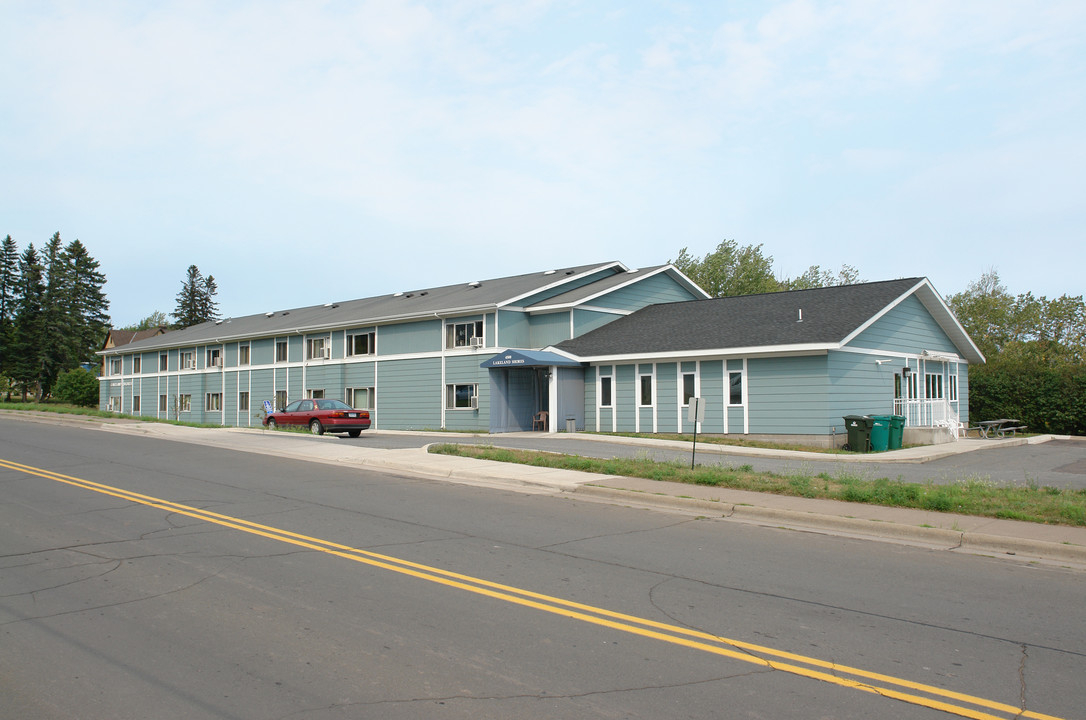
[(449, 341), (208, 404), (326, 347), (348, 344), (450, 395)]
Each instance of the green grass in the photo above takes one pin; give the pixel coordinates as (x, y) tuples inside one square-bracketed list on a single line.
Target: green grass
[(64, 409), (726, 440), (969, 497)]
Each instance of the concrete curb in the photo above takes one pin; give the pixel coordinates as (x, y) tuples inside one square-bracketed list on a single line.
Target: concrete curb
[(971, 542)]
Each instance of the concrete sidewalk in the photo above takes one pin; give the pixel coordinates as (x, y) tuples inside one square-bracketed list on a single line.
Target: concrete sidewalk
[(1056, 544)]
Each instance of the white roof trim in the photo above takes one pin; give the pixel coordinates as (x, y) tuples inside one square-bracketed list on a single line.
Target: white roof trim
[(753, 351), (564, 279), (635, 277)]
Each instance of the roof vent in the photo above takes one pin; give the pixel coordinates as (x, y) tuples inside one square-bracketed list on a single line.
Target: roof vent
[(800, 315), (476, 283), (269, 314), (569, 272), (424, 292), (550, 272), (399, 294)]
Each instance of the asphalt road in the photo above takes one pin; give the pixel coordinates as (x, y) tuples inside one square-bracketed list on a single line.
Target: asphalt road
[(144, 578)]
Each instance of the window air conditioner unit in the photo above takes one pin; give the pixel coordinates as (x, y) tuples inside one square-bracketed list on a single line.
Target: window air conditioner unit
[(476, 342), (218, 362), (474, 402), (327, 353)]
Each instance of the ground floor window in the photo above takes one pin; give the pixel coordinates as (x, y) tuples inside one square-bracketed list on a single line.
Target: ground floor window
[(461, 397), (243, 401), (933, 386), (952, 388), (315, 394), (114, 404), (184, 403), (163, 403), (362, 398), (135, 403), (645, 397), (688, 388), (605, 392), (735, 388), (213, 402), (280, 399)]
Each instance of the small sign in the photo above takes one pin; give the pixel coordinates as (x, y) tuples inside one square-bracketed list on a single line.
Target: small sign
[(696, 412), (267, 406)]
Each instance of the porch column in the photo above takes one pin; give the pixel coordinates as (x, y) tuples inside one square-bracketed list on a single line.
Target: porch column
[(552, 398)]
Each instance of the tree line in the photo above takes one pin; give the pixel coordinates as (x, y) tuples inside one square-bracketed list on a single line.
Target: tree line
[(53, 313), (1035, 347)]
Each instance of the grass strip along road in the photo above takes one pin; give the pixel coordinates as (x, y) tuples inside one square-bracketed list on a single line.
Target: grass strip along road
[(974, 497), (908, 691)]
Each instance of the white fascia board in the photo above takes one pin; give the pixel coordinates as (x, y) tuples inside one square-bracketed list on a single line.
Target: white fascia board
[(693, 285), (561, 281), (754, 351)]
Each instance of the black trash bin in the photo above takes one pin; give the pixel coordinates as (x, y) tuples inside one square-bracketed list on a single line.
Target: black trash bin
[(859, 432)]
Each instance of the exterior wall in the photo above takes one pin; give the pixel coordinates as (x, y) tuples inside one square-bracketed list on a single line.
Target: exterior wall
[(908, 328), (587, 320), (513, 329), (548, 329), (660, 288)]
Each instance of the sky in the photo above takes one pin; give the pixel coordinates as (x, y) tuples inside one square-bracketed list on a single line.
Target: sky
[(305, 152)]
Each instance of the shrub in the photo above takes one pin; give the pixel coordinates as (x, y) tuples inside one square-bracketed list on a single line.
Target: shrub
[(77, 387)]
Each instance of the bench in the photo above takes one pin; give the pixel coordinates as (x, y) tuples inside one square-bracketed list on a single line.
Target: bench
[(1013, 430)]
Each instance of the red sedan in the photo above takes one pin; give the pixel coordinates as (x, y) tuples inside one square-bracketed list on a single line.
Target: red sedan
[(321, 415)]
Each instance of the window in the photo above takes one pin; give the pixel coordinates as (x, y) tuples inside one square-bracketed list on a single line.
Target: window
[(605, 392), (163, 403), (114, 404), (243, 401), (461, 397), (688, 388), (187, 360), (135, 404), (243, 354), (933, 386), (314, 393), (735, 388), (163, 362), (913, 385), (362, 398), (184, 403), (280, 351), (646, 391), (213, 402), (952, 388), (214, 357), (115, 366), (462, 334), (361, 344), (317, 348), (280, 399), (137, 363)]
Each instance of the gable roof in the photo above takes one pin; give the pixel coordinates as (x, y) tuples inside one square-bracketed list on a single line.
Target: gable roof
[(116, 338), (464, 298), (813, 320)]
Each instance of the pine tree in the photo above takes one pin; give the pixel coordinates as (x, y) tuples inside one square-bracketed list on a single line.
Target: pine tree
[(9, 287), (26, 349), (87, 304), (195, 302)]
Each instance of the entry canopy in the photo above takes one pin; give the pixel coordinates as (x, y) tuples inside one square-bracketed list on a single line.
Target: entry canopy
[(529, 358)]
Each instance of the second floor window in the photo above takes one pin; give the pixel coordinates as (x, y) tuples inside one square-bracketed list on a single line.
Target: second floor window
[(461, 334), (243, 354), (280, 351), (115, 366), (361, 344), (316, 348), (187, 360)]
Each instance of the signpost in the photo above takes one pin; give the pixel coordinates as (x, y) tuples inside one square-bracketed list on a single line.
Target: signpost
[(696, 415)]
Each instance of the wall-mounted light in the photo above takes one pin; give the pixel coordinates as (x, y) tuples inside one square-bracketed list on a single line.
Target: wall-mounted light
[(906, 370)]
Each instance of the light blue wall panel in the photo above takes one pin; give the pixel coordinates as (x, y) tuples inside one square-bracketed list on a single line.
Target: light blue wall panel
[(564, 287), (489, 328), (261, 390), (788, 395), (513, 329), (413, 337), (907, 328), (712, 392), (549, 329), (409, 394), (590, 398), (858, 386), (587, 320), (656, 289), (262, 351), (667, 397), (625, 397)]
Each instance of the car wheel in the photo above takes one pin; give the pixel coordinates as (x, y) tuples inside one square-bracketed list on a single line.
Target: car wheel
[(272, 425), (316, 428), (354, 433)]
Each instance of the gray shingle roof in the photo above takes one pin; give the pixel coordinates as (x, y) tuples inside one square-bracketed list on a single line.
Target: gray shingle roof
[(829, 316), (461, 298)]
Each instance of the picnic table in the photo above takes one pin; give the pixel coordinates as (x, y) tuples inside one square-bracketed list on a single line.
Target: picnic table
[(1000, 427)]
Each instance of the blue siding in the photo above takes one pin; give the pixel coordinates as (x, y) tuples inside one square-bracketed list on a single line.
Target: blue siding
[(548, 329), (909, 328), (513, 329), (787, 395), (625, 397), (410, 394), (590, 398), (588, 320), (667, 397), (712, 391), (414, 337), (659, 288)]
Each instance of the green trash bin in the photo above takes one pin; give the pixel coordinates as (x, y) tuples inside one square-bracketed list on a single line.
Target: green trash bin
[(897, 429), (858, 428), (880, 433)]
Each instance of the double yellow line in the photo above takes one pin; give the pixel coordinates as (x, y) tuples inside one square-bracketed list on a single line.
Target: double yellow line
[(842, 675)]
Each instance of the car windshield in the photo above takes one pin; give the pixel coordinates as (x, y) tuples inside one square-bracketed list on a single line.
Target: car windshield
[(332, 405)]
